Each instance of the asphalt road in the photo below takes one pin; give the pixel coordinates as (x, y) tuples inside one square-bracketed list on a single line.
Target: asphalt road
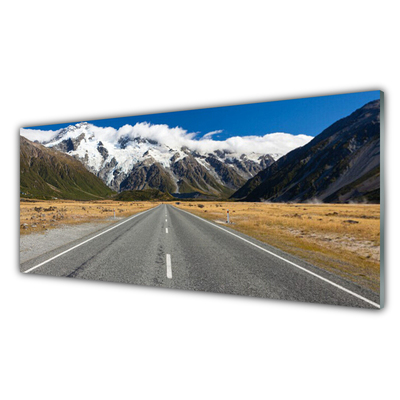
[(169, 247)]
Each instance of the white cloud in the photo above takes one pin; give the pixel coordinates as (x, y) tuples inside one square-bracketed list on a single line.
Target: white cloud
[(280, 143), (209, 134), (175, 138), (37, 134)]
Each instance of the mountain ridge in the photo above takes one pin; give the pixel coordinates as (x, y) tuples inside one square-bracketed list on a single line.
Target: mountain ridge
[(340, 156), (47, 173)]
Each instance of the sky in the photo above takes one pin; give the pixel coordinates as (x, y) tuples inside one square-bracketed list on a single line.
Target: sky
[(307, 116)]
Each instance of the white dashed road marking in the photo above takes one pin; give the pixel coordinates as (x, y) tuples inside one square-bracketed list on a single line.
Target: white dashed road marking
[(169, 267)]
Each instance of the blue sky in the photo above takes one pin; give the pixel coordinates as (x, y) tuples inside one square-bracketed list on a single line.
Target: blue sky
[(308, 116)]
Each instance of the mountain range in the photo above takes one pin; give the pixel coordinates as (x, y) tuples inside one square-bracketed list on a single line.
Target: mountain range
[(341, 164), (127, 162)]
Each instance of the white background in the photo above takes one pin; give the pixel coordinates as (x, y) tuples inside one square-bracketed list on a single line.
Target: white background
[(77, 60)]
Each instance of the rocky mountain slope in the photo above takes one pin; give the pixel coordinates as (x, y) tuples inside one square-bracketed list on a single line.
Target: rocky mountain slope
[(47, 173), (341, 164)]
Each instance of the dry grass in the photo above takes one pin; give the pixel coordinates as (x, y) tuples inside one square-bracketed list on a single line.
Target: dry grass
[(341, 238), (41, 215)]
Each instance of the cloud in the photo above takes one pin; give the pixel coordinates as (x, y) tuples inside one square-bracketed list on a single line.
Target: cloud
[(209, 134), (177, 137), (39, 135)]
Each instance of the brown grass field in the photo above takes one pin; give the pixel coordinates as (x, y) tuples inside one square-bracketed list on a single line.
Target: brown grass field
[(41, 215), (340, 238)]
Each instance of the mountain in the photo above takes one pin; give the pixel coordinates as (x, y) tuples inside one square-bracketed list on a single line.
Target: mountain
[(47, 173), (143, 195), (133, 162), (341, 164)]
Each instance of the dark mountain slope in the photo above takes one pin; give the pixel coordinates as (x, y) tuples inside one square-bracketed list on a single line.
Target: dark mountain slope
[(148, 175), (47, 173), (194, 177), (143, 195), (339, 165)]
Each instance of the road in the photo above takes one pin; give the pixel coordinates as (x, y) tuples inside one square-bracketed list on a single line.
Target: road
[(169, 247)]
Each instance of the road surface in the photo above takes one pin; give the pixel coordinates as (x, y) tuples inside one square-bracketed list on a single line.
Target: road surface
[(169, 247)]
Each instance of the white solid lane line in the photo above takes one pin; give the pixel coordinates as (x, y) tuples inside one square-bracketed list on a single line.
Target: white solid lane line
[(169, 267), (289, 262), (88, 240)]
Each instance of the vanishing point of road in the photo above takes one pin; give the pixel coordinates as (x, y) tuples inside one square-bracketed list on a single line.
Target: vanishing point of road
[(169, 247)]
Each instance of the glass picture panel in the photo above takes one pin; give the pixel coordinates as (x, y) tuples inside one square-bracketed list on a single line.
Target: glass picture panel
[(275, 200)]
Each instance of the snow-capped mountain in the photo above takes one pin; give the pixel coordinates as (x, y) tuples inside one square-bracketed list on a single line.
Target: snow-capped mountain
[(135, 158)]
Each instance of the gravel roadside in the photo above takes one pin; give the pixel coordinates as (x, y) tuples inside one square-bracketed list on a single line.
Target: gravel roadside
[(36, 244)]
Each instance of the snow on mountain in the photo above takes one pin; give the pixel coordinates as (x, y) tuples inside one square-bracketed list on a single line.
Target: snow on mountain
[(157, 156)]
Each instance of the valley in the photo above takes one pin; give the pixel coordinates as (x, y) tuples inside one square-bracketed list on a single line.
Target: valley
[(343, 239)]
